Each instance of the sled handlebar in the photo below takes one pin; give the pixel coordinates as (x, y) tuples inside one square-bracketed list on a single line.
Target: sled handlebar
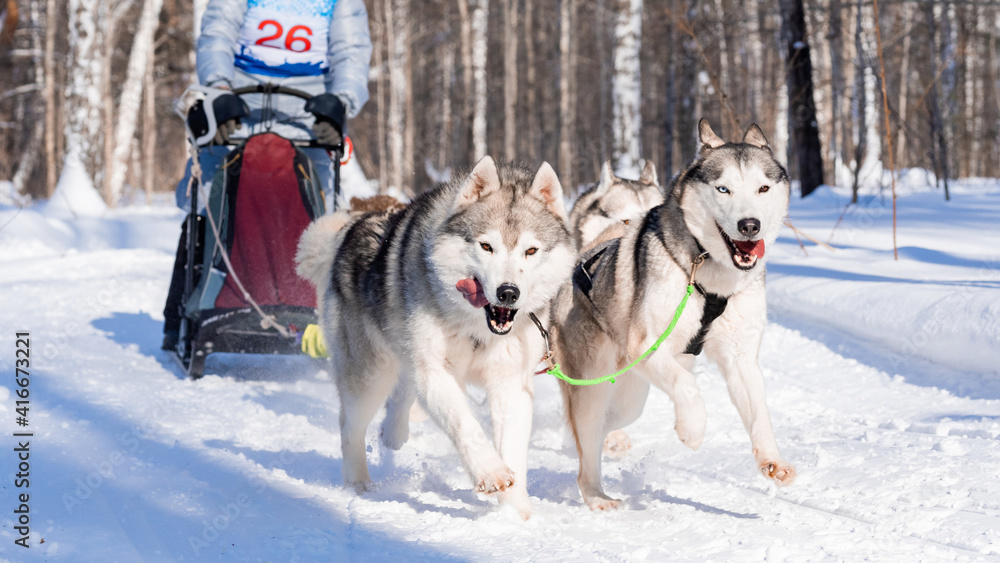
[(284, 90)]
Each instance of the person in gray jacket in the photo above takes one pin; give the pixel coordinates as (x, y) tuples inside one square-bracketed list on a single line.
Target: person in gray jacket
[(322, 47)]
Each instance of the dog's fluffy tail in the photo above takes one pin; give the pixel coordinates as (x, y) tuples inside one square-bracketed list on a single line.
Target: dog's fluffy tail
[(318, 248)]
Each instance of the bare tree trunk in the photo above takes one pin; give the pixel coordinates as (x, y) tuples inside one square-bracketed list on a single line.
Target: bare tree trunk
[(397, 30), (567, 108), (801, 107), (379, 39), (510, 79), (837, 129), (904, 84), (83, 107), (447, 72), (669, 107), (480, 19), (131, 98), (468, 70), (149, 127), (687, 86), (531, 134), (860, 103), (948, 99), (51, 158), (26, 164), (627, 89)]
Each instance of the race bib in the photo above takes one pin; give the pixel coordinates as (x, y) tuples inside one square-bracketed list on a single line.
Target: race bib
[(285, 38)]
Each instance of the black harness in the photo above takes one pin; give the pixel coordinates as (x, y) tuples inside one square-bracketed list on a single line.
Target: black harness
[(715, 305)]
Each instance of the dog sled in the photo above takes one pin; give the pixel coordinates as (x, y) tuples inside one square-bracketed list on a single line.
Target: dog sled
[(241, 293)]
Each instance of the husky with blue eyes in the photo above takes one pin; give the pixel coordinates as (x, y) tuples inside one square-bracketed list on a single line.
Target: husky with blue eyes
[(719, 216), (419, 303)]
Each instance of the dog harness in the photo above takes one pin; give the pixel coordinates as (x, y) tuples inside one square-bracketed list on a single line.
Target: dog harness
[(715, 305)]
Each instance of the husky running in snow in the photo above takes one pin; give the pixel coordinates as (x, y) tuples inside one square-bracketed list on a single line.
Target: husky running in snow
[(419, 303), (720, 214), (613, 200)]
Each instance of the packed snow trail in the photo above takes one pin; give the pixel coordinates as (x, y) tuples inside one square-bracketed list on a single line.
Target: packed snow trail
[(898, 457)]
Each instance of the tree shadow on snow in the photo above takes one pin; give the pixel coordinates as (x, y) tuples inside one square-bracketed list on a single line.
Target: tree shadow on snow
[(635, 502), (145, 495)]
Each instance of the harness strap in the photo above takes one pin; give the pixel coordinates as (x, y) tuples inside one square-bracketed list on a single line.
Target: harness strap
[(715, 305), (586, 269)]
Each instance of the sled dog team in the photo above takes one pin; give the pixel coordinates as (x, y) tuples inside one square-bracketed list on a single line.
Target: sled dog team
[(452, 290)]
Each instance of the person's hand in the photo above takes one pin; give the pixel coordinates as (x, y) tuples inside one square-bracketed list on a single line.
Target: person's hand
[(229, 110), (225, 130), (326, 133), (331, 119)]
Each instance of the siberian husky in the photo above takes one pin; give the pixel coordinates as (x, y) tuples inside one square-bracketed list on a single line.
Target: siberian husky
[(421, 302), (613, 200), (719, 216)]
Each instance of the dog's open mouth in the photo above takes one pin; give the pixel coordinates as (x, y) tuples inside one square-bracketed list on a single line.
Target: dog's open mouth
[(744, 252), (500, 319)]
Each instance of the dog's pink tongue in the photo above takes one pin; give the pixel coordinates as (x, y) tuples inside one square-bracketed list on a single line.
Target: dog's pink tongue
[(751, 247), (472, 291)]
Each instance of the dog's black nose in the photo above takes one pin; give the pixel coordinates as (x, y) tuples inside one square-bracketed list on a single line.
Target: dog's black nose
[(508, 293), (748, 227)]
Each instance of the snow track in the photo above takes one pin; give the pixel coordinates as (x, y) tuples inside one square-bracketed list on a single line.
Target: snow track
[(898, 456)]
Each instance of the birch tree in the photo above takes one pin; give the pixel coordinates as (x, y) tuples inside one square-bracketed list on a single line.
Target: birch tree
[(566, 91), (83, 90), (397, 32), (51, 158), (510, 79), (480, 17), (627, 90), (131, 98)]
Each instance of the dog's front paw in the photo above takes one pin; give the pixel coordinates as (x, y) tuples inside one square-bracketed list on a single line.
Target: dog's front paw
[(394, 435), (495, 481), (780, 471), (361, 487), (691, 420), (617, 444), (516, 499), (602, 502)]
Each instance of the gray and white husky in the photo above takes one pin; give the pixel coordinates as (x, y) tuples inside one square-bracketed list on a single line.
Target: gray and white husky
[(719, 216), (613, 200), (424, 301)]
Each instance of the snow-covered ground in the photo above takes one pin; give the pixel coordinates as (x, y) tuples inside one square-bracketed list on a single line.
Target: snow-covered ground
[(882, 376)]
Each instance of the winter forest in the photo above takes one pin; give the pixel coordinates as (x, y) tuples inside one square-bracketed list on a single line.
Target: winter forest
[(571, 82)]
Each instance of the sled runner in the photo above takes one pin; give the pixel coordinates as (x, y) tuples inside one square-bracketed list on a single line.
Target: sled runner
[(241, 292)]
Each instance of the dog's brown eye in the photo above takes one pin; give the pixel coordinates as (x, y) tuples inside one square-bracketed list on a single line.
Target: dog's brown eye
[(486, 247), (764, 189), (530, 251), (627, 221)]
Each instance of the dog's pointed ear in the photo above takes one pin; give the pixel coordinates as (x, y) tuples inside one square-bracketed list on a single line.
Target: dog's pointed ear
[(648, 175), (708, 137), (754, 136), (546, 187), (482, 181), (607, 178)]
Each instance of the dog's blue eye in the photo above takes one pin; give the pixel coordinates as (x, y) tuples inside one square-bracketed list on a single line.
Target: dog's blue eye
[(722, 189), (486, 247)]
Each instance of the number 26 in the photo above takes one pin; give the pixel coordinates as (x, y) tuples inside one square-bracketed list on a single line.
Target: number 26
[(290, 39)]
